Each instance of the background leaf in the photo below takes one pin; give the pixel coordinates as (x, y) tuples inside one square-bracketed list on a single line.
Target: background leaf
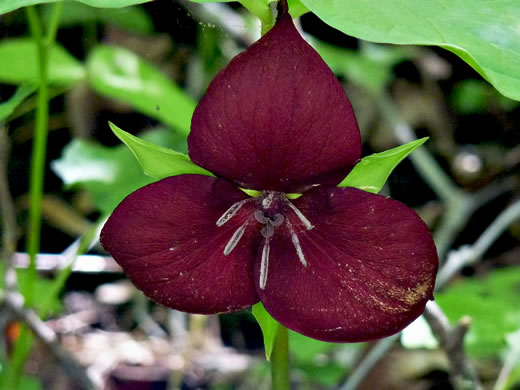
[(156, 161), (108, 174), (11, 5), (268, 325), (121, 74), (22, 92), (492, 303), (484, 34), (41, 287), (370, 66), (132, 19), (21, 67), (371, 173)]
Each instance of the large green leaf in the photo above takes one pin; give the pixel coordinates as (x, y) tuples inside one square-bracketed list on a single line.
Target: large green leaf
[(492, 303), (19, 63), (6, 108), (268, 325), (371, 173), (156, 161), (133, 19), (261, 8), (11, 5), (121, 74), (483, 33)]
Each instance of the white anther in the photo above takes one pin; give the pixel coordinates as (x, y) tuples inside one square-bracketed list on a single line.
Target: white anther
[(266, 202), (298, 247), (235, 238), (264, 264), (308, 225), (231, 212)]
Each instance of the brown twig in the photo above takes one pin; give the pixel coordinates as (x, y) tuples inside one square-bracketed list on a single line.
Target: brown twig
[(13, 299), (451, 339), (7, 211), (15, 302)]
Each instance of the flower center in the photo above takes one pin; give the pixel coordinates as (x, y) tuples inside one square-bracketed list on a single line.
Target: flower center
[(272, 210)]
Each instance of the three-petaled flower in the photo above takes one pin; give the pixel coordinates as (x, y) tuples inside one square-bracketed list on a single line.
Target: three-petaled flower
[(336, 264)]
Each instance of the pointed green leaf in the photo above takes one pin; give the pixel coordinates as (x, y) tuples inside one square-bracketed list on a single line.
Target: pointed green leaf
[(268, 325), (122, 75), (22, 63), (22, 92), (484, 34), (11, 5), (371, 173), (156, 161)]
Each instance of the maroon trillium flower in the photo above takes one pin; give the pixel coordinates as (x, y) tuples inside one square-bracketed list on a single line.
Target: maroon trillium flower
[(335, 264)]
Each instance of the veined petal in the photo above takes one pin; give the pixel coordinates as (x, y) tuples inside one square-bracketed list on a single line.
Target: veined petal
[(166, 239), (371, 265), (276, 118)]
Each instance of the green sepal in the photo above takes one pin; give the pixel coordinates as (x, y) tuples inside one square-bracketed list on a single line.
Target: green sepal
[(156, 161), (371, 173), (268, 325)]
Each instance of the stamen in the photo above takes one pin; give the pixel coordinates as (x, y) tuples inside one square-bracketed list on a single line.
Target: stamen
[(298, 247), (230, 213), (264, 264), (300, 216), (235, 238)]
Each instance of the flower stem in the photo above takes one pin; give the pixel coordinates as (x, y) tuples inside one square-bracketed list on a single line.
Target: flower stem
[(280, 360)]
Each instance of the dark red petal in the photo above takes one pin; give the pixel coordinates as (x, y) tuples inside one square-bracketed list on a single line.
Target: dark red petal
[(276, 118), (371, 268), (166, 239)]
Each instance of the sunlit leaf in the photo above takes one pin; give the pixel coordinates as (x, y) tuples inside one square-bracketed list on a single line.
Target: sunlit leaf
[(492, 304), (371, 173), (268, 325), (22, 92), (156, 161), (418, 335), (484, 34), (11, 5), (19, 63), (122, 75), (108, 174)]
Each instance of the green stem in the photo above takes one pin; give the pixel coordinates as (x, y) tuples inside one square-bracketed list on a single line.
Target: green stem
[(43, 45), (280, 360), (39, 150)]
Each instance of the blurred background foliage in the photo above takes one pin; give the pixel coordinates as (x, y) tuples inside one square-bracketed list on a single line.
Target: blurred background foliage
[(144, 68)]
